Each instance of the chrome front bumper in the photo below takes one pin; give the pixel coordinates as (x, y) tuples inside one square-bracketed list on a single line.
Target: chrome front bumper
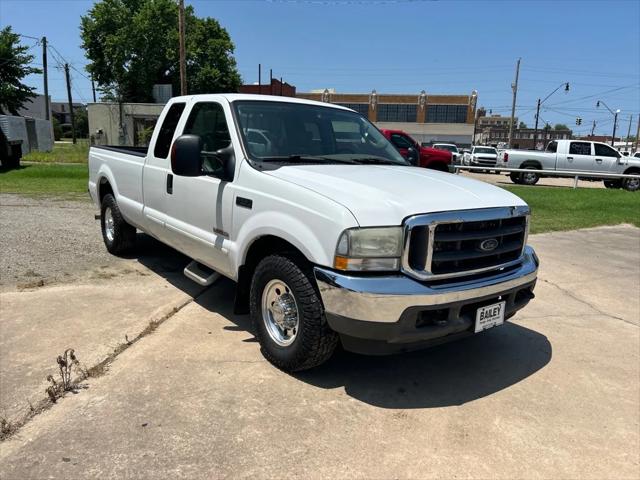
[(385, 298)]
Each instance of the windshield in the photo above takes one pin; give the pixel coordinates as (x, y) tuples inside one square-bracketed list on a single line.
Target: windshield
[(485, 150), (448, 148), (301, 133)]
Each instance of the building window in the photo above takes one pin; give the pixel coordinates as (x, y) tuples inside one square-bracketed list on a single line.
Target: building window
[(397, 112), (447, 114), (361, 108)]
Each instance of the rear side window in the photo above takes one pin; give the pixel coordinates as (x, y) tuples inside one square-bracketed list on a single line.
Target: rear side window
[(605, 150), (580, 148), (168, 128), (552, 147)]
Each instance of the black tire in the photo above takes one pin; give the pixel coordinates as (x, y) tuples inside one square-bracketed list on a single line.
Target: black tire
[(631, 184), (314, 341), (612, 183), (121, 237), (529, 178), (515, 177)]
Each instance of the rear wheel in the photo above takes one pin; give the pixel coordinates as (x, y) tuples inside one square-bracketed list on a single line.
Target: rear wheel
[(287, 315), (515, 177), (118, 236), (529, 178)]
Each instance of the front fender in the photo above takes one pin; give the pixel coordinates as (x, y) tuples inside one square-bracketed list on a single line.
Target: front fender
[(318, 248)]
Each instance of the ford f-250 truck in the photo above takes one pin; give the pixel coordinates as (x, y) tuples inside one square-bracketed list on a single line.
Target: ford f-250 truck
[(329, 233), (573, 156)]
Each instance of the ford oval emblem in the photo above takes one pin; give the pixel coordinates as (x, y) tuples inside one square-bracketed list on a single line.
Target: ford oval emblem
[(489, 245)]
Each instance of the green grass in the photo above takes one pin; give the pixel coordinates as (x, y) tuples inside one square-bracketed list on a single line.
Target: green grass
[(52, 179), (555, 209), (62, 153)]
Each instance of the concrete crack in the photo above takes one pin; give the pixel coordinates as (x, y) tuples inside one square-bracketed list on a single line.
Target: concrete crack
[(584, 302)]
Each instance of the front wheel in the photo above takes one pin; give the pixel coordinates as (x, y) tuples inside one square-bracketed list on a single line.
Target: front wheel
[(287, 315), (631, 184)]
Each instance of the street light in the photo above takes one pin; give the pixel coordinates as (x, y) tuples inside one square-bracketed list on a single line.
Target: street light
[(540, 102), (615, 118)]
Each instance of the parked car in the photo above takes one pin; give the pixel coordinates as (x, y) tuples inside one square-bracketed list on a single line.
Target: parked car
[(417, 154), (449, 147), (324, 232), (481, 156), (573, 156)]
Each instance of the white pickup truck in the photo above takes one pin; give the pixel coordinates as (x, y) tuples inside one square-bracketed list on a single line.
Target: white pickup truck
[(329, 233), (573, 156)]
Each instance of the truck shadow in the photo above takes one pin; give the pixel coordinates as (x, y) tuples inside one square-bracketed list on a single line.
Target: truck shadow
[(442, 376)]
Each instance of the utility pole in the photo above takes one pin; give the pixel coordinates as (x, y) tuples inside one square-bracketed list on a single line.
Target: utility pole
[(638, 134), (259, 78), (270, 81), (514, 87), (593, 127), (183, 66), (628, 132), (46, 78), (615, 124), (280, 86), (73, 119), (535, 132), (93, 89)]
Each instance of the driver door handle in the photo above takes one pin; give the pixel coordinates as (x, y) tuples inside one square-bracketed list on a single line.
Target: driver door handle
[(570, 158), (598, 160)]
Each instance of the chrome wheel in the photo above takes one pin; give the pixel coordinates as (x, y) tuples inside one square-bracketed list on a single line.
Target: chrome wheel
[(632, 184), (109, 228), (529, 177), (280, 312)]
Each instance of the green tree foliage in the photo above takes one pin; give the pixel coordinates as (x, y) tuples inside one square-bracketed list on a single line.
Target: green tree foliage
[(560, 126), (522, 125), (14, 66), (133, 44), (82, 122), (57, 129)]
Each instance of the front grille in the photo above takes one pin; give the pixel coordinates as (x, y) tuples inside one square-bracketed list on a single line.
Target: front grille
[(463, 243), (486, 161)]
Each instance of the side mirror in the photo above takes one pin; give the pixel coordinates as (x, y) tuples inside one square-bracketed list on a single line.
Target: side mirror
[(412, 156), (185, 156)]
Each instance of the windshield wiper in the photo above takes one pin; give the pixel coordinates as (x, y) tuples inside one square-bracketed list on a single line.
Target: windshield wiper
[(306, 159), (376, 161)]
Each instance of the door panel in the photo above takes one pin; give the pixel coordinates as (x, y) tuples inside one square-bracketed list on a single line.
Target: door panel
[(606, 158), (579, 158), (199, 208)]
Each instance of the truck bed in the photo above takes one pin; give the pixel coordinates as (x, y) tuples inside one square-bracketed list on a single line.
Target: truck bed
[(137, 151)]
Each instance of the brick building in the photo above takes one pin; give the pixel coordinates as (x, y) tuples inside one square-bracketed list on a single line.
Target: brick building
[(522, 137), (282, 89)]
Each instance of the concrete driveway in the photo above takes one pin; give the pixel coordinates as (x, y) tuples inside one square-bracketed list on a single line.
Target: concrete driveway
[(553, 394)]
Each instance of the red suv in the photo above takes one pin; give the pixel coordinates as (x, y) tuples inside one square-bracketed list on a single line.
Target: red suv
[(418, 155)]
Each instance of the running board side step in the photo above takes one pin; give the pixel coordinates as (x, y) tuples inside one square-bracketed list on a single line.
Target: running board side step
[(201, 274)]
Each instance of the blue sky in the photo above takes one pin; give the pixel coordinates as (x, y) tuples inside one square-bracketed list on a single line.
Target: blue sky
[(404, 47)]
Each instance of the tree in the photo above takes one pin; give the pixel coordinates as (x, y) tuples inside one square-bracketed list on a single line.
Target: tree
[(82, 122), (560, 126), (14, 66), (133, 44), (522, 125), (57, 129)]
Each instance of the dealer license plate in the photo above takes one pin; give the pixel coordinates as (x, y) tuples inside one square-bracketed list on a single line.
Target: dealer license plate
[(490, 316)]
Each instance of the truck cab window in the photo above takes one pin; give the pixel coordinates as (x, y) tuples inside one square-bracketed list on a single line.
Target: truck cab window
[(605, 150), (552, 147), (580, 148), (168, 128), (401, 141), (207, 120)]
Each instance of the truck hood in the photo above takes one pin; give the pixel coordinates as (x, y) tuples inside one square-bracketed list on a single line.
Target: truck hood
[(385, 195)]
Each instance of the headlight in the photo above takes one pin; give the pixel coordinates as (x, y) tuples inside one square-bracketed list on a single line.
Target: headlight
[(369, 249)]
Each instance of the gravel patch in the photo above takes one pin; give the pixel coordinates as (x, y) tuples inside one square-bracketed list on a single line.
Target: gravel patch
[(45, 240)]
